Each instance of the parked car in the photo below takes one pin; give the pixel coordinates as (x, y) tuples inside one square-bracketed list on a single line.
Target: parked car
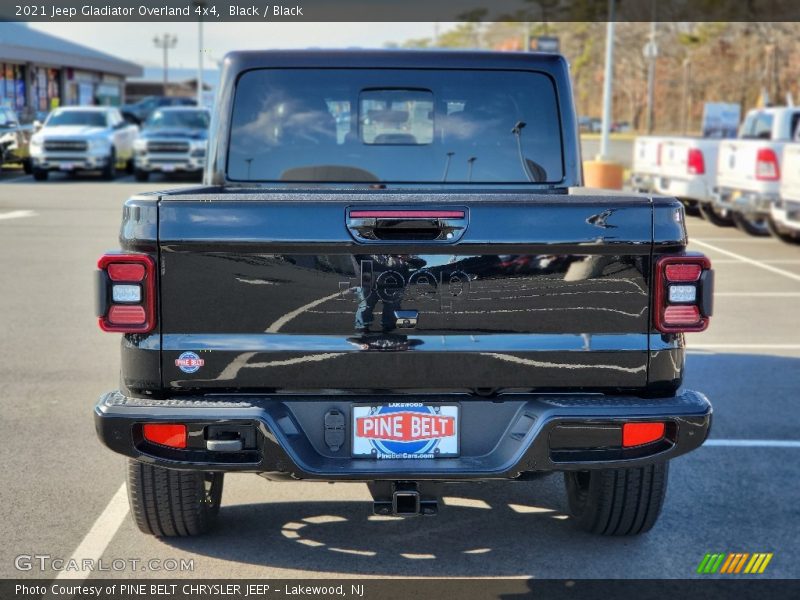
[(749, 168), (140, 111), (14, 140), (687, 170), (360, 309), (172, 140), (646, 163), (784, 218), (83, 139)]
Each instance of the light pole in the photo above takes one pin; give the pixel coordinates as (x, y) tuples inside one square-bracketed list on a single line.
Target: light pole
[(166, 42), (200, 5), (651, 54), (607, 83), (687, 63)]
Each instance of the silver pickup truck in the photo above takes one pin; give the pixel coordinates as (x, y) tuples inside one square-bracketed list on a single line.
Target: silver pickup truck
[(173, 140), (83, 139)]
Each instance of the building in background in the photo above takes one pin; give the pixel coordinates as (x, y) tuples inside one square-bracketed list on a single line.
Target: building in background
[(39, 72)]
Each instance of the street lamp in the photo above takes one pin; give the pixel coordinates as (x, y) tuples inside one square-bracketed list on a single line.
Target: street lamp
[(199, 6), (166, 42)]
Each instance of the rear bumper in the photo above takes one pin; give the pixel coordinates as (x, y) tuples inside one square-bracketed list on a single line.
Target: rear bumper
[(688, 189), (787, 214), (501, 438), (757, 203)]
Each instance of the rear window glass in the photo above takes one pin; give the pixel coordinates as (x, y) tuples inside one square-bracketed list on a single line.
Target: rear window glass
[(395, 126), (757, 126)]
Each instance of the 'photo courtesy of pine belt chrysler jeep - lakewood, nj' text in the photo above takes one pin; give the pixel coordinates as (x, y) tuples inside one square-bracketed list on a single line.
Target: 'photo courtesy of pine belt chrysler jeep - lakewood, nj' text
[(392, 275)]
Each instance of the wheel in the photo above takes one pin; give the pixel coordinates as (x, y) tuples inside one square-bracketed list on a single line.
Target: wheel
[(170, 503), (782, 233), (617, 501), (717, 216), (27, 167), (129, 166), (40, 174), (141, 175), (753, 225), (110, 170), (691, 207)]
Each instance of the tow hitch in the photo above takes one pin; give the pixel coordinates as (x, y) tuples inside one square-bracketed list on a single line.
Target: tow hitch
[(405, 498)]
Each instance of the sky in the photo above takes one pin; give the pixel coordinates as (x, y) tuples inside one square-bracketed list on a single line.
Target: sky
[(134, 41)]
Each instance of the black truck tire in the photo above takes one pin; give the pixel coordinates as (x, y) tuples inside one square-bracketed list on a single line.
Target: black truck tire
[(715, 216), (171, 503), (40, 174), (783, 234), (756, 226), (617, 501), (141, 175), (109, 172)]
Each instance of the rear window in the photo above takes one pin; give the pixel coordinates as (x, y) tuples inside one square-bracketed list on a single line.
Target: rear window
[(395, 126), (757, 126)]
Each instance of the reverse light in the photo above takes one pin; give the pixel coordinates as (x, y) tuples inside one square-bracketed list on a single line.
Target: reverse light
[(126, 294), (638, 434), (767, 168), (683, 293), (165, 434), (695, 164)]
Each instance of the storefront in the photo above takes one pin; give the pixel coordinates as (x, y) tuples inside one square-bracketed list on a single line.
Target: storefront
[(39, 72)]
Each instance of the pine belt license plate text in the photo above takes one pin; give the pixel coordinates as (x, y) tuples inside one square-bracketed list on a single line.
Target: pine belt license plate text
[(404, 430)]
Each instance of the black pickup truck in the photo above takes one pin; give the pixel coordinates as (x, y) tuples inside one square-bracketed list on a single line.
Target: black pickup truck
[(391, 275)]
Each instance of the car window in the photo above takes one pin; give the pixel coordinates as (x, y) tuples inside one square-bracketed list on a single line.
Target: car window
[(192, 119), (795, 130), (758, 126), (395, 125), (86, 118)]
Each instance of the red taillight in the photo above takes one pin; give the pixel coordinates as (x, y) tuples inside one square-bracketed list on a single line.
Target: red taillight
[(695, 163), (683, 293), (767, 168), (126, 271), (127, 294), (165, 434), (683, 272), (638, 434)]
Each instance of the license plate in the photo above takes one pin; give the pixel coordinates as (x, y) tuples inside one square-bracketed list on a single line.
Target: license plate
[(168, 168), (66, 166), (406, 430)]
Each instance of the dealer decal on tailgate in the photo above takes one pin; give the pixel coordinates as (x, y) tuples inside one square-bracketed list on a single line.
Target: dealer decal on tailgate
[(405, 430)]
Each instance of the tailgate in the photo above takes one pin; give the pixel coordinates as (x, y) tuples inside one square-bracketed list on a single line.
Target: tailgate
[(790, 173), (736, 163), (646, 155), (544, 292)]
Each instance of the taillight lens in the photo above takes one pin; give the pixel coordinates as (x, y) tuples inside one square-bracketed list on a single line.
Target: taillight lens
[(683, 293), (695, 163), (767, 168), (126, 293)]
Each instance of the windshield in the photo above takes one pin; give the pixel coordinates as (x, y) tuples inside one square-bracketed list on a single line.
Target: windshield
[(193, 119), (86, 118), (395, 125)]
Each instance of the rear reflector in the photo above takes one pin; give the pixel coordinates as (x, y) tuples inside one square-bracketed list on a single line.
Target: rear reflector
[(165, 434), (126, 315), (683, 272), (638, 434), (407, 214), (125, 272), (695, 163), (681, 315)]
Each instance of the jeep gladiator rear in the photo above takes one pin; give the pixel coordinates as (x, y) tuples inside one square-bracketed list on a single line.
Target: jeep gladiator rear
[(392, 276)]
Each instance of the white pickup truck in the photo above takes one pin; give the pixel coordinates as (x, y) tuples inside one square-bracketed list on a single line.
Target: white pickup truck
[(687, 171), (646, 165), (749, 168), (784, 218)]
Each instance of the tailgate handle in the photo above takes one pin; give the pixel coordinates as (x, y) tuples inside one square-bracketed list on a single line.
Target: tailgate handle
[(401, 225)]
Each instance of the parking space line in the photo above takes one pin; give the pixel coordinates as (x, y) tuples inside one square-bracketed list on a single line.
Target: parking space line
[(750, 261), (758, 294), (730, 443), (691, 347), (17, 214), (749, 240), (100, 535)]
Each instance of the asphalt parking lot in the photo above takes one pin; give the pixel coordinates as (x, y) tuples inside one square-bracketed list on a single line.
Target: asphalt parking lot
[(63, 495)]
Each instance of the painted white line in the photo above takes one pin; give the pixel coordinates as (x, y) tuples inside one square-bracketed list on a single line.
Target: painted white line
[(757, 294), (691, 347), (750, 261), (752, 443), (731, 261), (103, 530), (749, 240), (17, 214)]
